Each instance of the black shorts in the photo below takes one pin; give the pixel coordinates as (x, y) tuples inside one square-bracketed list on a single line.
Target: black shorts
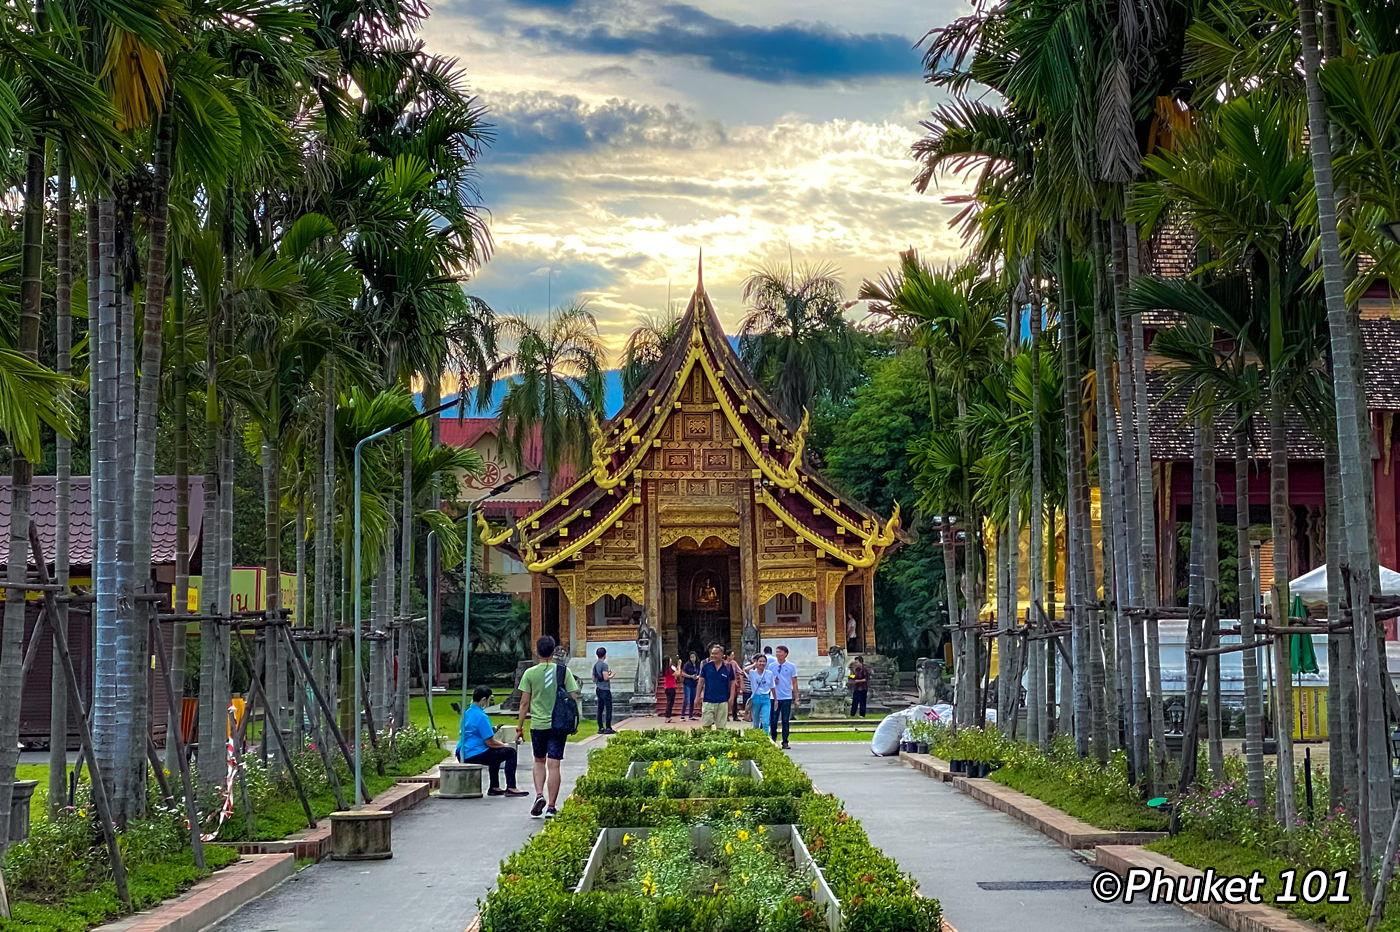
[(546, 742)]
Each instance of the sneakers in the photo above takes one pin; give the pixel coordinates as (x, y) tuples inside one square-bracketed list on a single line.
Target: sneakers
[(606, 731), (495, 791), (537, 809), (786, 746), (551, 812)]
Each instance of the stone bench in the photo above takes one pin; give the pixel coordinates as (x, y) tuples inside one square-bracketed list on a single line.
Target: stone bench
[(362, 835), (460, 781)]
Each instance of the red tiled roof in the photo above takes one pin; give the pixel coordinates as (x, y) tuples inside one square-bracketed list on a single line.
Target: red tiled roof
[(44, 513), (468, 431)]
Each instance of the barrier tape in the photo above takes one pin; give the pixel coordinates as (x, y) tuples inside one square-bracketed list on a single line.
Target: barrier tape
[(226, 808)]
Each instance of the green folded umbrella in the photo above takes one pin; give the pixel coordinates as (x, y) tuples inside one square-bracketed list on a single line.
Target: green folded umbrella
[(1302, 659)]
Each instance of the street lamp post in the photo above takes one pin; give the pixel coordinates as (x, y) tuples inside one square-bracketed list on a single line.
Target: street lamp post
[(359, 449), (467, 571)]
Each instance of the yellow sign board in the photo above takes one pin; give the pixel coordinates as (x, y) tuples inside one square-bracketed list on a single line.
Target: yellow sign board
[(250, 591)]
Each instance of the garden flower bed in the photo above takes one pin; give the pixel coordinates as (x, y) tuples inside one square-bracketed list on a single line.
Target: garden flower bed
[(755, 864), (577, 875)]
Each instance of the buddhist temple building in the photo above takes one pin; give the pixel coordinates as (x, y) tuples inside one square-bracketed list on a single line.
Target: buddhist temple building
[(700, 513)]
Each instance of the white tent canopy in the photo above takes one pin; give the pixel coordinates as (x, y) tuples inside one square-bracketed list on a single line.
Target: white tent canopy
[(1312, 585)]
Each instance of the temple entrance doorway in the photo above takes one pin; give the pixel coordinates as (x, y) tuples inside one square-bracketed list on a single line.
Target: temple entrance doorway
[(702, 601)]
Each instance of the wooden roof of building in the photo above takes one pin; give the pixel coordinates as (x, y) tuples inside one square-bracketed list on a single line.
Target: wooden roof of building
[(842, 529)]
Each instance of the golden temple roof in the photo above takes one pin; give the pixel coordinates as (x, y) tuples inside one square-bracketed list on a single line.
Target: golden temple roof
[(845, 531)]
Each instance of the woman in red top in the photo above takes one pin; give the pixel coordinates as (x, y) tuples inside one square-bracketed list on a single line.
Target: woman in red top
[(668, 682)]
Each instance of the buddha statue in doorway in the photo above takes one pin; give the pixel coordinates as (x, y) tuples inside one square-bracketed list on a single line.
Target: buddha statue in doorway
[(707, 597)]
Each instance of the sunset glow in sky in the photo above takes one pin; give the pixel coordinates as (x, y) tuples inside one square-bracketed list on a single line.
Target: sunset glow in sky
[(630, 134)]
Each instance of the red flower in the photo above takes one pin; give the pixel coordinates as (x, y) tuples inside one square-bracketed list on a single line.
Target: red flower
[(797, 899)]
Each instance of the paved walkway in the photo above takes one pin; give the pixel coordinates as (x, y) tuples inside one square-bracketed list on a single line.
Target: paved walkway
[(447, 853), (990, 872)]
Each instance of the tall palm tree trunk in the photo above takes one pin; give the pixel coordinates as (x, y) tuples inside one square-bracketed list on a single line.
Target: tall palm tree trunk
[(63, 467), (1114, 531), (404, 629), (1353, 436), (1282, 534), (1249, 659), (950, 580), (1341, 658), (180, 633), (21, 479), (105, 703), (1211, 552), (1202, 481), (144, 439), (1035, 689), (1076, 607), (272, 538), (213, 722), (1152, 691)]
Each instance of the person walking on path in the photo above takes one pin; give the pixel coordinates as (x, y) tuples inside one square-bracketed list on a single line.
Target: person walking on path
[(602, 682), (734, 705), (860, 685), (784, 694), (690, 679), (760, 680), (719, 689), (477, 744), (539, 688), (668, 683)]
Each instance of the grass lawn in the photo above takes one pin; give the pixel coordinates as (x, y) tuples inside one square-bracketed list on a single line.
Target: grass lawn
[(1102, 811), (448, 721), (832, 735)]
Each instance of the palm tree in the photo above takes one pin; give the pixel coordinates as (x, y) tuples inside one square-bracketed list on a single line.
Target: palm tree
[(1353, 431), (556, 388), (794, 338), (1222, 371), (645, 348)]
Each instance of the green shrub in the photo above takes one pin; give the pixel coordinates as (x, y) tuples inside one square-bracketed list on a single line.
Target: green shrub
[(534, 890)]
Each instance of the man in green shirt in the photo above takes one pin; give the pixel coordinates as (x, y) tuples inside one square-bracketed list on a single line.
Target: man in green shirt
[(538, 690)]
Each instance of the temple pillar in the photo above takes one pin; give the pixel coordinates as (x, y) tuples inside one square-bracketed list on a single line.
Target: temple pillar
[(748, 559), (670, 609), (651, 533), (536, 607), (825, 618), (867, 599), (736, 608)]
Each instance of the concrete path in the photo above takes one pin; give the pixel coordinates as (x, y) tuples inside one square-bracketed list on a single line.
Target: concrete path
[(990, 872), (447, 853)]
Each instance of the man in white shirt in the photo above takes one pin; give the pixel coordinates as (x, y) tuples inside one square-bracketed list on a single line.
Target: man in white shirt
[(784, 694)]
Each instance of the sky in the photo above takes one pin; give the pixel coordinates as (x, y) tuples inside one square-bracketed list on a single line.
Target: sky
[(630, 135)]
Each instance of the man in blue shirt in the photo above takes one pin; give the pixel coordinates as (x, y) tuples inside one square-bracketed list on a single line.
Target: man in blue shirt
[(477, 744), (784, 694), (718, 677)]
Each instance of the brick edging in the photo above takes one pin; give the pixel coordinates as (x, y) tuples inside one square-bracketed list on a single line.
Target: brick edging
[(211, 899), (929, 765), (1062, 828), (1246, 917), (1056, 825), (315, 843)]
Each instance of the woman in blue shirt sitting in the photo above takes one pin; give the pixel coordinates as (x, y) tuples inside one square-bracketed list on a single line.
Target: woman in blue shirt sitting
[(477, 744)]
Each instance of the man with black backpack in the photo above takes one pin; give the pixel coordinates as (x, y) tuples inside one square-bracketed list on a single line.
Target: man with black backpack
[(549, 696)]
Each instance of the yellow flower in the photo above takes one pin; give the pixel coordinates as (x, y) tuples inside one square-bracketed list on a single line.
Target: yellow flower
[(745, 878), (743, 835), (728, 848), (716, 886), (738, 813), (762, 829), (644, 808), (712, 760), (626, 839)]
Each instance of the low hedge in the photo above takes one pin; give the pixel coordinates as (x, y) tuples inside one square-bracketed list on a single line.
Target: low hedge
[(607, 767), (534, 889)]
